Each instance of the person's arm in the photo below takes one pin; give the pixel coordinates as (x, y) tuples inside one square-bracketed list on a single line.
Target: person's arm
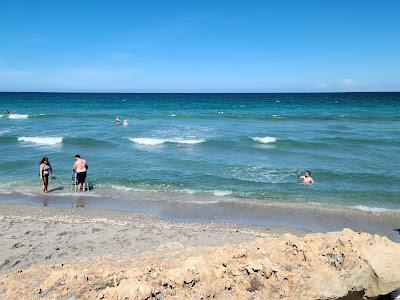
[(41, 172), (86, 166), (74, 167)]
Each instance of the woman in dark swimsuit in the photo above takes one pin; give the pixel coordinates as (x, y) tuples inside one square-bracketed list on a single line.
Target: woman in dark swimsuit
[(44, 172)]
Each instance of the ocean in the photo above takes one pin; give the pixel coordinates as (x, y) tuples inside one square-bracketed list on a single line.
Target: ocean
[(212, 147)]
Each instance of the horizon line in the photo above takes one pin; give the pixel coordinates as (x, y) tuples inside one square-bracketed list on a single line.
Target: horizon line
[(116, 92)]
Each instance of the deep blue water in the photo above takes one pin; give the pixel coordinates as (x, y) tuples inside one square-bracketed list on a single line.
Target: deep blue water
[(235, 145)]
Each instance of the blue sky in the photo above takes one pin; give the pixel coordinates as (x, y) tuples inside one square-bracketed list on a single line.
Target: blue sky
[(200, 46)]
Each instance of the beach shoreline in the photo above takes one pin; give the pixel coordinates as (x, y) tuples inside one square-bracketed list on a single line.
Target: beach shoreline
[(190, 208)]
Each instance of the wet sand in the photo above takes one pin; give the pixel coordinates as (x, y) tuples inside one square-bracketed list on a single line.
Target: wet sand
[(183, 207)]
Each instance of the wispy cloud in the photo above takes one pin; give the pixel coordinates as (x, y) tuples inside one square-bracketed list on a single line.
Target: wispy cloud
[(321, 85), (348, 82)]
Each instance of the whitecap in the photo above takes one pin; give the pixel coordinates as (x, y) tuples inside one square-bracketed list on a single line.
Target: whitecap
[(17, 116), (189, 142), (156, 141), (148, 141), (41, 140), (265, 140), (222, 193), (172, 115)]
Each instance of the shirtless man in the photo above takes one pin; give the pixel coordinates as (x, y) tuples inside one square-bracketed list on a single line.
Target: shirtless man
[(306, 178), (80, 167)]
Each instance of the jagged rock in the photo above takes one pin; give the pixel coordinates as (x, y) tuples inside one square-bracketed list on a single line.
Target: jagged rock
[(317, 266)]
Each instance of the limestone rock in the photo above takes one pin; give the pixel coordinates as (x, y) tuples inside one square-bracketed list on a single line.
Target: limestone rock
[(317, 266)]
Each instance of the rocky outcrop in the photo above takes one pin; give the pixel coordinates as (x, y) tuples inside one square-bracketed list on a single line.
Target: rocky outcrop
[(316, 266)]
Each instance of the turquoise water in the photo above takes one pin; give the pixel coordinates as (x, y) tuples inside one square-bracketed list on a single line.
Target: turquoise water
[(223, 145)]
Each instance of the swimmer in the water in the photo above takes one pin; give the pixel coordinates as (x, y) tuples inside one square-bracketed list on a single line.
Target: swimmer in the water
[(117, 121), (125, 123), (306, 178)]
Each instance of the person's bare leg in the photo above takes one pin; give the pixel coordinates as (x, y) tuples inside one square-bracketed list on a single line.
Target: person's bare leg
[(45, 184)]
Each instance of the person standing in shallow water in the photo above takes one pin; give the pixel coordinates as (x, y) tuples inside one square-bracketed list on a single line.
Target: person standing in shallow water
[(44, 172), (80, 167)]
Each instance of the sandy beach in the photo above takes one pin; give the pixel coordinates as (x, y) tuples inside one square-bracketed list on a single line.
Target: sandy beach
[(46, 251), (32, 235)]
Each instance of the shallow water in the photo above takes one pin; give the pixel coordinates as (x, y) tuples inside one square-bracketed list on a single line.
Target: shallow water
[(222, 145)]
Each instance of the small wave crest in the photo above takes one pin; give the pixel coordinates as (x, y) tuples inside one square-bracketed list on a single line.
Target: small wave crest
[(222, 193), (374, 209), (265, 140), (17, 116), (118, 187), (156, 141), (50, 141)]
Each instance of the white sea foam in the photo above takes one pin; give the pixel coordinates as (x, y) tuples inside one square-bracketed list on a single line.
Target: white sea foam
[(222, 193), (172, 115), (41, 140), (120, 188), (17, 116), (148, 141), (114, 187), (265, 140), (190, 142), (155, 141), (190, 192), (375, 209)]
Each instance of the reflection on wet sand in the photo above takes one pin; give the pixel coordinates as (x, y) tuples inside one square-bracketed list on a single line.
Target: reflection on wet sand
[(75, 202), (79, 202), (45, 200)]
